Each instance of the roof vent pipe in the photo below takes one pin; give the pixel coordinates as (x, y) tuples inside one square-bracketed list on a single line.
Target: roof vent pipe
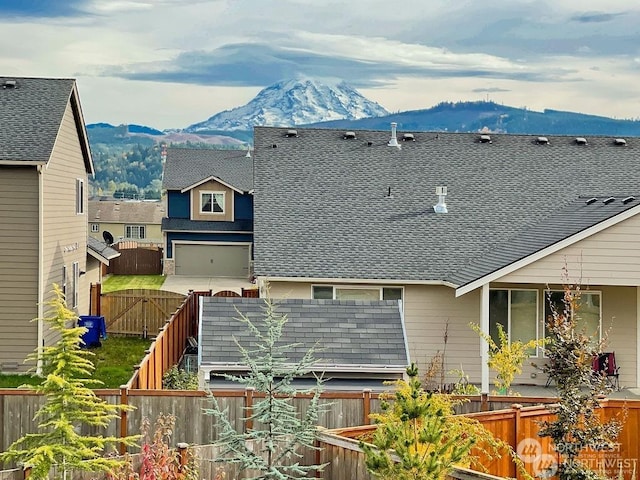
[(441, 207), (248, 155), (394, 140)]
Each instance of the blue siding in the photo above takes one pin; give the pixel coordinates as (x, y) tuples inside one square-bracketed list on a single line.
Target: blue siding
[(243, 206), (205, 237), (178, 204)]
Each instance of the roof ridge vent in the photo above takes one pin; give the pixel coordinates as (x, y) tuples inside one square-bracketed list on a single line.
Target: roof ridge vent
[(608, 200), (349, 135), (621, 142), (9, 84), (485, 139), (408, 137), (291, 133), (441, 206), (628, 199), (581, 141), (393, 142), (542, 141)]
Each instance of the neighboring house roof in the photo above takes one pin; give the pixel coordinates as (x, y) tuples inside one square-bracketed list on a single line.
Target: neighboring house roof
[(186, 225), (322, 207), (126, 212), (31, 112), (186, 168), (101, 251), (350, 335)]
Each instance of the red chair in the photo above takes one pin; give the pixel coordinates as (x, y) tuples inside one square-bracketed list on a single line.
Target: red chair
[(605, 364)]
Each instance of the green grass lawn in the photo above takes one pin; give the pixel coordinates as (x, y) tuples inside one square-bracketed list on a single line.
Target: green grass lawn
[(114, 362), (124, 282)]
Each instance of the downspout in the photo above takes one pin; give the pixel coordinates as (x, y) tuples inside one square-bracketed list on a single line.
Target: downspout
[(40, 344), (484, 346)]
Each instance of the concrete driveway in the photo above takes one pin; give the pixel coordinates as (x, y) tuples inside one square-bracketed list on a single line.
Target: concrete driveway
[(184, 283)]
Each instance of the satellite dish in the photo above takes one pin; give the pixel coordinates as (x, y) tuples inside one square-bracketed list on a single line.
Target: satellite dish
[(108, 238)]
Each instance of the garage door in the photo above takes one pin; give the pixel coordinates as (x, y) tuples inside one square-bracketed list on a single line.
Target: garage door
[(212, 260)]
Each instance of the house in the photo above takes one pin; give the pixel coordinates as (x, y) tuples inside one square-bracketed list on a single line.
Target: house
[(208, 228), (358, 343), (99, 254), (126, 220), (44, 165), (355, 215)]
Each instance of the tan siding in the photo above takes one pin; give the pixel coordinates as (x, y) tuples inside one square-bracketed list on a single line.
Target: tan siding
[(65, 237), (153, 231), (212, 186), (18, 264), (610, 257)]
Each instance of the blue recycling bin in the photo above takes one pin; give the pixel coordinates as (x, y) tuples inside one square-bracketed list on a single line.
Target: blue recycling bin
[(96, 329)]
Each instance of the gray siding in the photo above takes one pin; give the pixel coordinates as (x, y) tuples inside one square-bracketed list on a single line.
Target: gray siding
[(18, 265), (65, 232)]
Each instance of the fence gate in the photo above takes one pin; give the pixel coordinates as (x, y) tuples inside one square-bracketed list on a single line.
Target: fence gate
[(136, 260), (139, 311)]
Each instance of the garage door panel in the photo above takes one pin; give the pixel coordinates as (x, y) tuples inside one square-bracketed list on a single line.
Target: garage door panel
[(212, 260)]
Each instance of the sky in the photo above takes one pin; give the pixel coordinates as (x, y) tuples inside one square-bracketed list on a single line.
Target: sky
[(172, 63)]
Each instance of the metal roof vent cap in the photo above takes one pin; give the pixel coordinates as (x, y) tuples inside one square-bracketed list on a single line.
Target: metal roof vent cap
[(349, 135), (542, 141), (441, 206), (393, 142), (291, 133), (621, 142), (581, 141), (408, 137), (9, 84), (248, 155), (485, 139)]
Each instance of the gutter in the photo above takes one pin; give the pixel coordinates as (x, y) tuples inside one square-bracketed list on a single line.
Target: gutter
[(40, 317)]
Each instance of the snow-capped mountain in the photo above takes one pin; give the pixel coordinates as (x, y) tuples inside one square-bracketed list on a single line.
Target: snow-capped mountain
[(294, 102)]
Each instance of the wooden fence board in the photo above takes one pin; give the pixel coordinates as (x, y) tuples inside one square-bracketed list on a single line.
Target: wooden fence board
[(136, 261)]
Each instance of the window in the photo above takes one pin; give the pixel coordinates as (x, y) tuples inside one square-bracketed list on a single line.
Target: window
[(79, 196), (63, 284), (95, 228), (137, 232), (588, 314), (75, 287), (328, 292), (211, 202), (517, 312)]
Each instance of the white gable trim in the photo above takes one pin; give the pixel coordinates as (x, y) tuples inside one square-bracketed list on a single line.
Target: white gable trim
[(214, 178), (523, 262)]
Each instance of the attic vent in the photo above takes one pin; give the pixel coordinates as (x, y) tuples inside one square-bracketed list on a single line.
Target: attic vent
[(393, 142), (628, 199), (349, 135), (609, 200), (485, 139), (9, 84), (441, 207), (291, 133), (581, 141), (621, 142), (408, 137), (542, 141), (591, 201)]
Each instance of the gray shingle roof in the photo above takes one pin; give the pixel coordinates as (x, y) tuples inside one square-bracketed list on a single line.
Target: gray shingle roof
[(186, 225), (30, 115), (349, 332), (101, 249), (321, 208), (185, 167), (126, 212)]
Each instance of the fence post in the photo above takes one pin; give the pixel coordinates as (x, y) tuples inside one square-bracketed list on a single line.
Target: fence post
[(366, 406), (517, 410), (248, 407), (124, 400), (484, 402), (183, 454), (26, 472)]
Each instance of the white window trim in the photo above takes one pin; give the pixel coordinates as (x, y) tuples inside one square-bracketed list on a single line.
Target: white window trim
[(509, 290), (138, 227), (80, 196), (213, 192), (360, 287), (95, 227), (582, 292)]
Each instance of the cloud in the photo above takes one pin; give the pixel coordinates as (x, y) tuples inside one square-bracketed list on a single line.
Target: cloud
[(42, 8), (595, 17), (490, 90)]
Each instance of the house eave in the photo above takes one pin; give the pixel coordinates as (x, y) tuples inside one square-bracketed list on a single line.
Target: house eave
[(373, 281), (22, 163), (318, 367), (209, 178), (102, 258)]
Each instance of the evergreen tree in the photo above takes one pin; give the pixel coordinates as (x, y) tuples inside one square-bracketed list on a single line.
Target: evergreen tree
[(577, 426), (272, 449), (70, 404)]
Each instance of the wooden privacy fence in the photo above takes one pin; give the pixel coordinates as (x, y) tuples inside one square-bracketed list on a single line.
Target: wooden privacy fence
[(134, 312), (142, 260)]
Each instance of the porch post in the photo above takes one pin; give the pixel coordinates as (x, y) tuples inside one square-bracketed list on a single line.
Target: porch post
[(484, 346)]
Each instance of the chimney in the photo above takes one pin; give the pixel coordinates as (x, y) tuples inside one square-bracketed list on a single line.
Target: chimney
[(394, 140), (441, 207)]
